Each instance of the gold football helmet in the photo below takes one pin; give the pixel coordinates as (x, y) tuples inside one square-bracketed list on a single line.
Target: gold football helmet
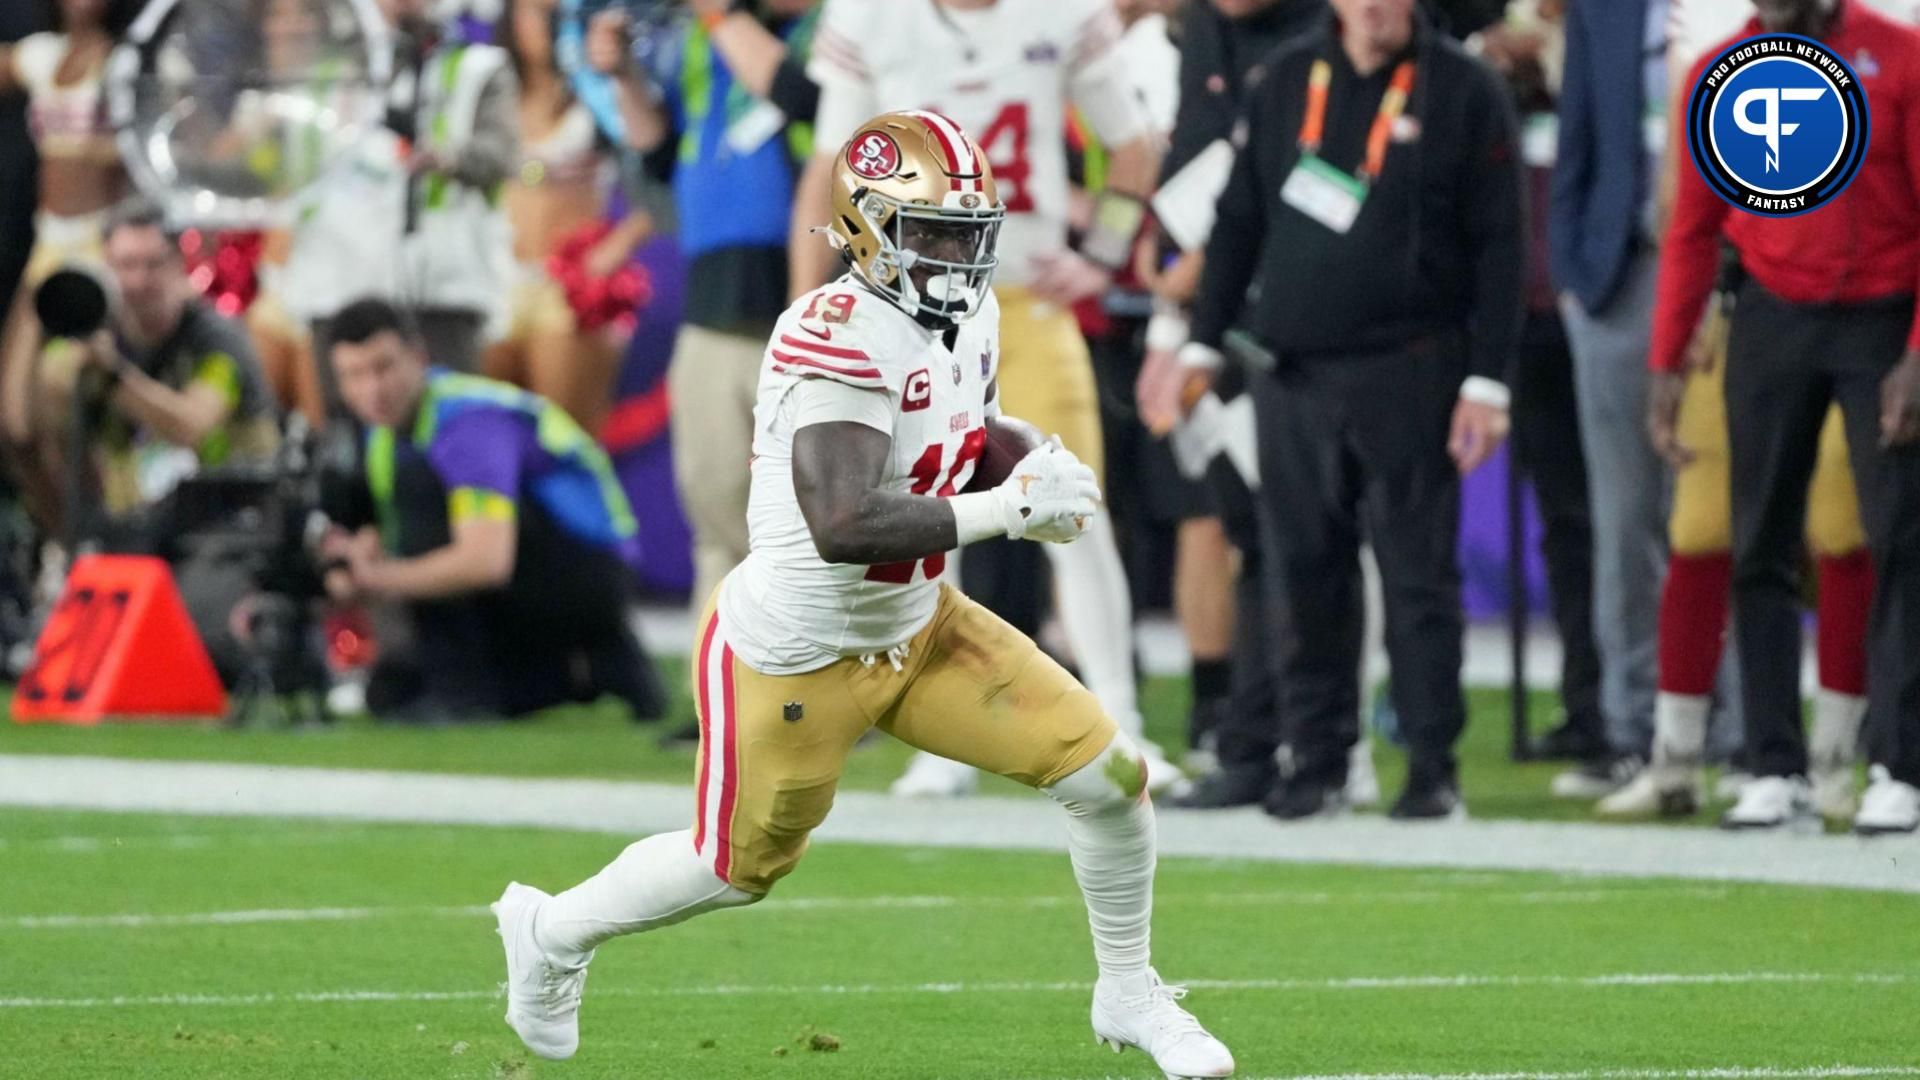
[(916, 214)]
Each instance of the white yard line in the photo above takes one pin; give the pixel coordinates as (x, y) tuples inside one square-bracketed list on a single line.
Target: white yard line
[(631, 809), (1399, 982), (805, 904)]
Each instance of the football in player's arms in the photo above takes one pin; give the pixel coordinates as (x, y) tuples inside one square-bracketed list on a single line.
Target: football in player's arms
[(1008, 440)]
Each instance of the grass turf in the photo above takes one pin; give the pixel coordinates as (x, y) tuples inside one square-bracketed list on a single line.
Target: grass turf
[(659, 1006), (597, 742)]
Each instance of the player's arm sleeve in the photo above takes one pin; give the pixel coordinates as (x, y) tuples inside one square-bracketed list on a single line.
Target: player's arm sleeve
[(1689, 257), (839, 65), (1101, 87), (796, 352), (479, 457), (825, 401)]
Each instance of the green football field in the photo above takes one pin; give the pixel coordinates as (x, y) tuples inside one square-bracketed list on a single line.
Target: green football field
[(156, 945), (151, 946)]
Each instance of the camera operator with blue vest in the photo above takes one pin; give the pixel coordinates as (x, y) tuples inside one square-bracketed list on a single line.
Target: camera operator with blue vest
[(497, 523)]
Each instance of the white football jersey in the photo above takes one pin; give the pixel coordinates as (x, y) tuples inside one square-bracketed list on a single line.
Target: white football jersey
[(785, 610), (1004, 73)]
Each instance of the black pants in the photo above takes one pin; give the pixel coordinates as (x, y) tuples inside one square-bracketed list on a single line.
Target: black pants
[(1248, 732), (556, 633), (1786, 363), (1546, 445), (1355, 447)]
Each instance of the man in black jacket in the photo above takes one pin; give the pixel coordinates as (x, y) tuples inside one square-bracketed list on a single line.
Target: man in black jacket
[(1223, 47), (1374, 214)]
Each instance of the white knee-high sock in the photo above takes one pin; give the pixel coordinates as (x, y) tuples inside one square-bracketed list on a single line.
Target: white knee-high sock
[(656, 882), (1110, 836), (1096, 609)]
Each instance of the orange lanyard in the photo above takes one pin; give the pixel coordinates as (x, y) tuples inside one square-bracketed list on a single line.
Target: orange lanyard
[(1394, 102)]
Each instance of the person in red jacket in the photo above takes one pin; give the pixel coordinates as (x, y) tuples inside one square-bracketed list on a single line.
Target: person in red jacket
[(1827, 314)]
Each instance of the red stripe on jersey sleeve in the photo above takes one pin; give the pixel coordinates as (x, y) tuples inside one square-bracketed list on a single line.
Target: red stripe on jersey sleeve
[(867, 374), (823, 350)]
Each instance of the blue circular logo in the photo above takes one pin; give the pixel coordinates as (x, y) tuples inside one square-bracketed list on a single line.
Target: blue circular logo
[(1778, 125)]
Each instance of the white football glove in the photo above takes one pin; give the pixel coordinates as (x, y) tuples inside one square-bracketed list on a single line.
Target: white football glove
[(1050, 495)]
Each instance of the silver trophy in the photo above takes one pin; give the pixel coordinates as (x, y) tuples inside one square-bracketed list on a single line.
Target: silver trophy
[(227, 109)]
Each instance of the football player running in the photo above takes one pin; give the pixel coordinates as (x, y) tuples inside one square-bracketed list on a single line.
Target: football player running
[(1006, 70), (876, 401)]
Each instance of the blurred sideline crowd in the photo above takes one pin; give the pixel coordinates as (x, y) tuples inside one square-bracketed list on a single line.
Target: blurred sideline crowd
[(1288, 271)]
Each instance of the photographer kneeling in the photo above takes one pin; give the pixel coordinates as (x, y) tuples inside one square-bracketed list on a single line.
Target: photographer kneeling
[(164, 389), (500, 527)]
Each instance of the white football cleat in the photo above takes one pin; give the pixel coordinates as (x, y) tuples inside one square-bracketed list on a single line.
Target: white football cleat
[(931, 776), (1773, 802), (1162, 775), (1889, 806), (1154, 1022), (543, 998)]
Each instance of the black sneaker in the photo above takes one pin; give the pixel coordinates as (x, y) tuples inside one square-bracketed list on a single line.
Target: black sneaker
[(1234, 785), (1428, 802), (1297, 799), (1568, 743)]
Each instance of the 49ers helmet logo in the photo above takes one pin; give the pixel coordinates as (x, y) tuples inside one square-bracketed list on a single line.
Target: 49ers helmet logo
[(874, 155)]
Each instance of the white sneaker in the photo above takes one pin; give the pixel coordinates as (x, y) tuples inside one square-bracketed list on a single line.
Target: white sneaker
[(1773, 802), (1363, 783), (1889, 806), (931, 776), (1658, 791), (543, 998), (1153, 1021)]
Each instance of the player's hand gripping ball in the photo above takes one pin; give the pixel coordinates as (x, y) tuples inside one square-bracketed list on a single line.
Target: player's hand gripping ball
[(1050, 495)]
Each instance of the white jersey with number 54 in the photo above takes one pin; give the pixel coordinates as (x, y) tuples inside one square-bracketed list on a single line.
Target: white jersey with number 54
[(844, 354), (1005, 73)]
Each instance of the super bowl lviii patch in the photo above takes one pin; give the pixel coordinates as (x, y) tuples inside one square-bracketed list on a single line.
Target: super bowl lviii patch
[(1778, 125)]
